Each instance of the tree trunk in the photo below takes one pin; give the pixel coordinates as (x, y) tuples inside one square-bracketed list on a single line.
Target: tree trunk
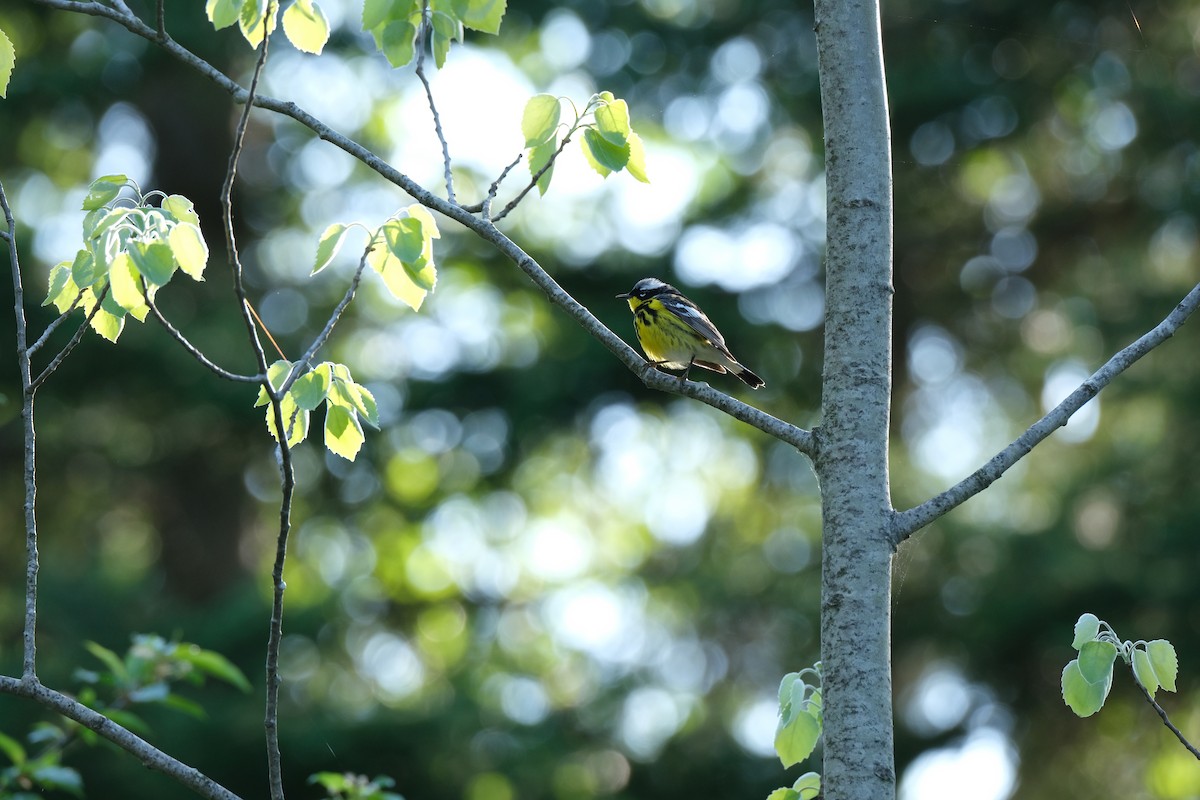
[(852, 461)]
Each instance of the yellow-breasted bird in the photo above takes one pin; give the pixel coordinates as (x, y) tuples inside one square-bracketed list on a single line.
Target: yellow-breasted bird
[(676, 334)]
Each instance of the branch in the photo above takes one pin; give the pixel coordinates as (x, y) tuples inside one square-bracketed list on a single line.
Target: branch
[(532, 180), (66, 351), (29, 634), (53, 326), (426, 27), (905, 523), (1167, 720), (195, 352), (148, 754)]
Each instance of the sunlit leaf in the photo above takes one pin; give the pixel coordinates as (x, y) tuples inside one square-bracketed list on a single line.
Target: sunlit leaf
[(539, 121), (306, 26), (222, 13), (397, 42), (808, 785), (484, 15), (328, 245), (214, 664), (603, 155), (1086, 628), (1096, 660), (12, 750), (795, 740), (1081, 695), (155, 260), (83, 269), (343, 435), (539, 157), (612, 121), (1165, 662), (189, 248), (1143, 670), (104, 190), (637, 158), (126, 283), (180, 209), (8, 60), (310, 389)]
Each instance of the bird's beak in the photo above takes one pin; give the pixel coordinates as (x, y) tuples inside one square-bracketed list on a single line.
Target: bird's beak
[(623, 296)]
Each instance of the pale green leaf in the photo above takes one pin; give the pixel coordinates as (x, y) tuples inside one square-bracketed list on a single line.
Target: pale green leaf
[(404, 238), (126, 283), (637, 158), (104, 190), (53, 777), (189, 248), (180, 209), (114, 664), (484, 15), (83, 269), (783, 794), (328, 245), (295, 420), (1143, 670), (808, 785), (397, 42), (612, 122), (343, 435), (8, 60), (12, 750), (428, 223), (254, 21), (1096, 661), (396, 278), (63, 290), (539, 121), (215, 665), (446, 29), (1165, 662), (375, 13), (222, 13), (278, 372), (106, 323), (603, 155), (795, 740), (539, 157), (785, 689), (306, 26), (311, 389), (155, 260), (107, 219), (1086, 628), (1081, 695), (366, 405)]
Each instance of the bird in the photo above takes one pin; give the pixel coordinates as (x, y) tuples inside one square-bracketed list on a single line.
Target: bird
[(676, 334)]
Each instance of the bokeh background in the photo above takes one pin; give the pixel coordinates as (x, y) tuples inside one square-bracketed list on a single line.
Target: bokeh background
[(540, 580)]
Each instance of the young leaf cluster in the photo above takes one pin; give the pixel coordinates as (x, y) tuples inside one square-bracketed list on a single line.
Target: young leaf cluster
[(1087, 679), (799, 715), (346, 402), (609, 142), (400, 250), (348, 786), (143, 676), (304, 24), (397, 24), (8, 60), (130, 250)]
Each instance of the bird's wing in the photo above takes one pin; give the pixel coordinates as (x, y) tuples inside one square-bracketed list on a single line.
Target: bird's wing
[(696, 319)]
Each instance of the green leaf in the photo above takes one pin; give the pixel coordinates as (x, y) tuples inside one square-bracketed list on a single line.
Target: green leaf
[(12, 750), (222, 13), (83, 269), (446, 29), (306, 26), (180, 209), (795, 740), (637, 159), (1081, 695), (428, 223), (783, 794), (1165, 662), (1096, 661), (404, 238), (184, 705), (58, 777), (328, 245), (539, 122), (366, 406), (151, 693), (189, 249), (539, 157), (603, 155), (343, 434), (331, 781), (785, 690), (127, 720), (396, 278), (397, 42), (612, 122), (254, 20), (484, 15), (111, 660), (278, 372), (1143, 670), (105, 222), (295, 420), (375, 13), (126, 284), (62, 290), (103, 191), (1086, 628), (155, 260), (8, 60), (311, 389), (808, 782)]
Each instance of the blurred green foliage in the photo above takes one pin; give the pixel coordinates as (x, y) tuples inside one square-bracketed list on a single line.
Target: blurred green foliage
[(540, 580)]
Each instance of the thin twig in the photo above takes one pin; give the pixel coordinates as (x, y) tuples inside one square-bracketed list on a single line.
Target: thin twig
[(537, 176), (145, 752), (1167, 720), (197, 354), (162, 20), (29, 633), (53, 326), (66, 351), (905, 523), (485, 207), (426, 30)]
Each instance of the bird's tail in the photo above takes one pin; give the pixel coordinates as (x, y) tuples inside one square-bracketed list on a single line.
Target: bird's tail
[(747, 377)]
